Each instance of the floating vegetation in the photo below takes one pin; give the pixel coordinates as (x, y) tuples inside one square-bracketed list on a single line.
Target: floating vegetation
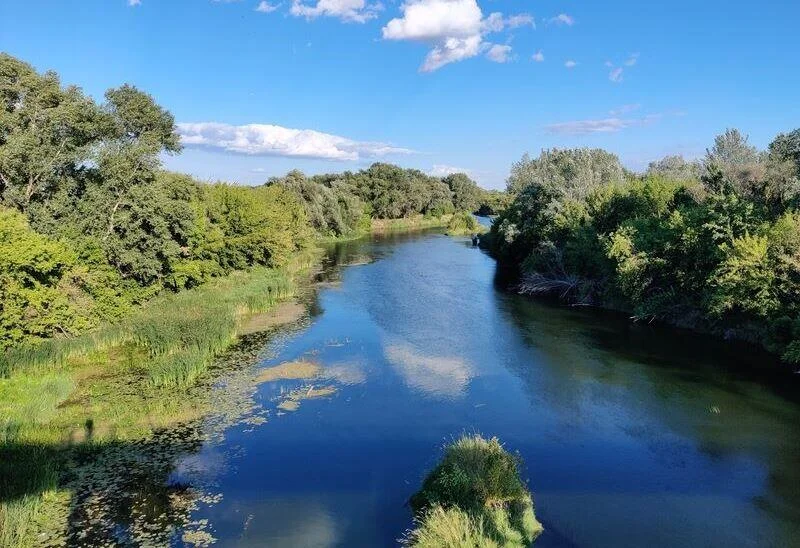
[(298, 369), (291, 401), (282, 314)]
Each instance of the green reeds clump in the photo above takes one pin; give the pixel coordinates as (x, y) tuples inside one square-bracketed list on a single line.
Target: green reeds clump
[(475, 493), (184, 333), (52, 354), (464, 223)]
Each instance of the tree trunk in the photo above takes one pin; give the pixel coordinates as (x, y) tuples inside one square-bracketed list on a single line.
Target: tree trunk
[(111, 217)]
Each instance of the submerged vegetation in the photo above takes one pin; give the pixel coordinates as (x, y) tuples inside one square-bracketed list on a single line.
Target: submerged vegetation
[(474, 497), (713, 245)]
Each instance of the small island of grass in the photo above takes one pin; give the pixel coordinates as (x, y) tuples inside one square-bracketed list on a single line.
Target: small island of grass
[(474, 497)]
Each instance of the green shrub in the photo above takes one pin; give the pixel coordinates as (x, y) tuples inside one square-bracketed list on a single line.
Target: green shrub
[(481, 480), (464, 223)]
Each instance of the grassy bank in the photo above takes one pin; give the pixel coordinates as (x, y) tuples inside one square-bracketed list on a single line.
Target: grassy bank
[(416, 222), (474, 497), (117, 386)]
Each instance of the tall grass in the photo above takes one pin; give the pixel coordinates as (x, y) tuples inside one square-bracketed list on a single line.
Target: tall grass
[(180, 333), (463, 223), (474, 495)]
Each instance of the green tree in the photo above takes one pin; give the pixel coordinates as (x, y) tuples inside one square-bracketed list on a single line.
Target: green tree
[(466, 193), (130, 157), (46, 132)]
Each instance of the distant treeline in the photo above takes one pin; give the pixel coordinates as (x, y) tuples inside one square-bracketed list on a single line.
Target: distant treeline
[(712, 245), (92, 226)]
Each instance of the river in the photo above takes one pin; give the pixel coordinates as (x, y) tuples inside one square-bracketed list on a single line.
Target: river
[(631, 435)]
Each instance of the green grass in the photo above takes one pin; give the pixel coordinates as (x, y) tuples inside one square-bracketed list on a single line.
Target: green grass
[(474, 496), (416, 222)]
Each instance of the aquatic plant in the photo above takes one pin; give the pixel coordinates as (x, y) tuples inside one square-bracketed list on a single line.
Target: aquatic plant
[(475, 494), (464, 223)]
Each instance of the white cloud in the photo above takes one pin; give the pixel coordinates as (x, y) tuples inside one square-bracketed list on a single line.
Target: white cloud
[(625, 109), (442, 170), (582, 127), (266, 7), (271, 140), (563, 19), (499, 53), (349, 11), (632, 59), (520, 20), (604, 125), (435, 20), (450, 51), (570, 64), (615, 75), (538, 56), (455, 29), (134, 2)]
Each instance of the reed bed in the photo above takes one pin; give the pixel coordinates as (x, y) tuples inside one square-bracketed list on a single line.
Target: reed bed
[(180, 333)]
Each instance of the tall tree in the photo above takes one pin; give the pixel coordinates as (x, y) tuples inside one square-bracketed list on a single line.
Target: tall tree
[(466, 194), (46, 132), (141, 130)]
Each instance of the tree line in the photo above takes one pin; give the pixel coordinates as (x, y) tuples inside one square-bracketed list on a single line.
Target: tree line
[(91, 225), (712, 244)]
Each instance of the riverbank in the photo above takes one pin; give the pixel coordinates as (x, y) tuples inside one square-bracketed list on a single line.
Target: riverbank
[(415, 222), (120, 385)]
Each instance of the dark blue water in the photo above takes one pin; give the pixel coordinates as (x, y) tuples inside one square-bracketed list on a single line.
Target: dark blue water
[(631, 436)]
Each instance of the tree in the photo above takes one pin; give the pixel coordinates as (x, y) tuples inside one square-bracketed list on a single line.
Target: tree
[(733, 163), (34, 302), (466, 193), (572, 171), (46, 132), (675, 168), (141, 131)]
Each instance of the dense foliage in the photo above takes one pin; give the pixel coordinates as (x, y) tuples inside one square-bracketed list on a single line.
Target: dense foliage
[(90, 224), (342, 204), (474, 497), (713, 245)]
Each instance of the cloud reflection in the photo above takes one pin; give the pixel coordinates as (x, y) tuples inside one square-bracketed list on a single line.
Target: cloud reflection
[(441, 376)]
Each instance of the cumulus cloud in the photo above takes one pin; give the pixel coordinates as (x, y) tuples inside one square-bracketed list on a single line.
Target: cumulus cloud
[(349, 11), (570, 64), (443, 170), (134, 2), (604, 125), (538, 56), (271, 140), (563, 19), (266, 7), (455, 28), (435, 20)]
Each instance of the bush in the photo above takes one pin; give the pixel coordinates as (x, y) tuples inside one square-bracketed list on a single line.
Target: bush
[(474, 493), (464, 223)]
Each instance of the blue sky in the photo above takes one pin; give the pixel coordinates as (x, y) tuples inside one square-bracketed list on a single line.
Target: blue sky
[(432, 84)]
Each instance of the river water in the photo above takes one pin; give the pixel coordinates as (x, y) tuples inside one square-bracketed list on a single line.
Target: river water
[(631, 435)]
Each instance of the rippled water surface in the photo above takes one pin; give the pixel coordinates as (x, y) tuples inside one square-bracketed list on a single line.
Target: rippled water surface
[(632, 436)]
